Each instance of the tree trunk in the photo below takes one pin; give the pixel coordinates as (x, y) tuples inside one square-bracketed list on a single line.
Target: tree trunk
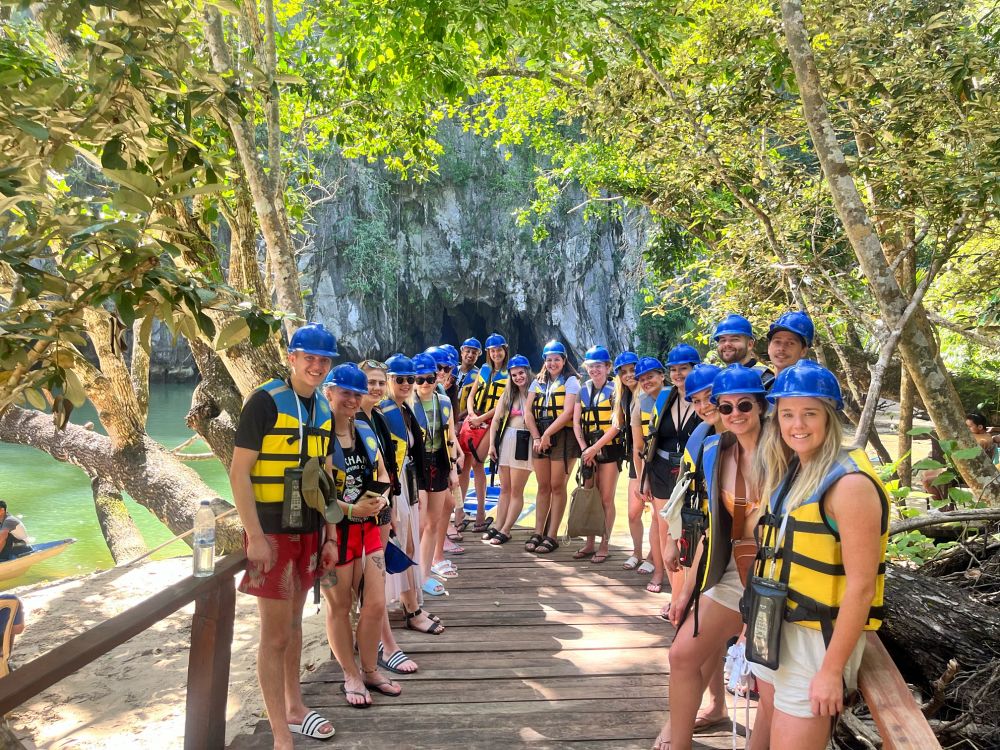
[(139, 369), (110, 389), (215, 403), (906, 393), (145, 470), (917, 346), (120, 532)]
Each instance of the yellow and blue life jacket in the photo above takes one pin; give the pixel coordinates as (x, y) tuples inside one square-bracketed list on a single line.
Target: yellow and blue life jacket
[(465, 381), (282, 448), (810, 560), (397, 427), (491, 385), (597, 407), (550, 402)]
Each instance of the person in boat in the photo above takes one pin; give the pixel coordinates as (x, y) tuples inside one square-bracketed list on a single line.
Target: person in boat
[(283, 425), (13, 535), (827, 514)]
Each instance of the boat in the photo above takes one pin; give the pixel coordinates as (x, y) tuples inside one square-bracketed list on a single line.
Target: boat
[(41, 551)]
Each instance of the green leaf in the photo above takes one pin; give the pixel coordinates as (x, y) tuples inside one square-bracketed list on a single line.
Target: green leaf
[(34, 129), (920, 431), (966, 454), (36, 398), (130, 201), (943, 478), (207, 189), (232, 333), (75, 391), (143, 183), (927, 463)]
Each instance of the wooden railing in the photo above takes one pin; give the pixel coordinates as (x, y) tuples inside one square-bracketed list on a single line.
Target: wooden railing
[(208, 661), (901, 724)]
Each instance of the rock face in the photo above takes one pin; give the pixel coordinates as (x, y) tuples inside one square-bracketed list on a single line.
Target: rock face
[(399, 266)]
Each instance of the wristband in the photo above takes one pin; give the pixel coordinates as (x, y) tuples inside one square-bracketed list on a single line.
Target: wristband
[(350, 511)]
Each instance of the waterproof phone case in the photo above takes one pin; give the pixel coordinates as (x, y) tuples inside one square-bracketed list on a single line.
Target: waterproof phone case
[(765, 614), (692, 528), (411, 484), (293, 505), (522, 445)]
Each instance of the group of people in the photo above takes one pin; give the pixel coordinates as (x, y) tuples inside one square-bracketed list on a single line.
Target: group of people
[(355, 476)]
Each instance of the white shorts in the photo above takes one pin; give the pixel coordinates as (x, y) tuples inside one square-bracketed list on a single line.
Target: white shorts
[(801, 655), (728, 591)]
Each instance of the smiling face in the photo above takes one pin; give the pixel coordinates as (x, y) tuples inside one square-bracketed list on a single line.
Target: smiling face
[(469, 356), (739, 422), (376, 388), (343, 403), (400, 386), (785, 349), (425, 385), (308, 370), (554, 365), (803, 424), (678, 373), (651, 382), (704, 408), (626, 374), (598, 372), (733, 348), (444, 376), (519, 375), (496, 355)]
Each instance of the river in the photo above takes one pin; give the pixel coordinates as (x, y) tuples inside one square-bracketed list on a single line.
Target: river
[(54, 500)]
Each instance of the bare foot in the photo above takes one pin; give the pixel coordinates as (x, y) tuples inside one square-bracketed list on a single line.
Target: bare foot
[(662, 741), (355, 692)]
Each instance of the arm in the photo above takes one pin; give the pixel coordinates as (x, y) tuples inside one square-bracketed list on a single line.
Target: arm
[(470, 403), (853, 503), (259, 552), (578, 426), (637, 443)]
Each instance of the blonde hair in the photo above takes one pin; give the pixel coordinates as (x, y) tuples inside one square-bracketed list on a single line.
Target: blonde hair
[(773, 457)]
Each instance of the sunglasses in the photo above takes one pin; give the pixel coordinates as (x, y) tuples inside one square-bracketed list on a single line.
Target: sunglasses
[(444, 368), (424, 380), (372, 364), (400, 379), (745, 407)]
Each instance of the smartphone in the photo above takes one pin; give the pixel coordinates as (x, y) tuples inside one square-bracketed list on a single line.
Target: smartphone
[(375, 488)]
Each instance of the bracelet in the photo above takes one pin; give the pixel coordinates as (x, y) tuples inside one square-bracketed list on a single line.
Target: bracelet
[(350, 511)]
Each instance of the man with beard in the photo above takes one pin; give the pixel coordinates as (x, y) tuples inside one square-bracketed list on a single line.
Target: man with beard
[(734, 340)]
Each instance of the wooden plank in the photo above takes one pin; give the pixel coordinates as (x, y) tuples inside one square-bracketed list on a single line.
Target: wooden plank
[(208, 667), (900, 722)]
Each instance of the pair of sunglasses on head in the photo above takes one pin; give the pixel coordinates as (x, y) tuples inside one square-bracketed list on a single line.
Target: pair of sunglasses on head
[(421, 380)]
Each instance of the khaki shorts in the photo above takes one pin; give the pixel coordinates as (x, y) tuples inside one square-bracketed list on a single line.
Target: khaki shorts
[(564, 447), (728, 591), (801, 656)]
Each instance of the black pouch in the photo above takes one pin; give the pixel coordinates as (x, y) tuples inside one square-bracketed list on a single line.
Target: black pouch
[(763, 608), (295, 515), (522, 445), (411, 483), (692, 529), (544, 423)]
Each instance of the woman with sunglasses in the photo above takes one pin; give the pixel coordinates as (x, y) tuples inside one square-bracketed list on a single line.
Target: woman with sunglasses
[(550, 420), (509, 437), (730, 511), (481, 404), (626, 387), (828, 514), (650, 375), (433, 413), (360, 561), (602, 447), (407, 438), (672, 421)]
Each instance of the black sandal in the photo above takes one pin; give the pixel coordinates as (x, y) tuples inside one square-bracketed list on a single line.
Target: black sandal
[(533, 541), (499, 538), (419, 611), (546, 546), (435, 628), (479, 528), (490, 534)]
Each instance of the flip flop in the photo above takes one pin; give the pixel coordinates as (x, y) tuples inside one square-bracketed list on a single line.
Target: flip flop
[(581, 553), (630, 563), (462, 525), (704, 723), (454, 536), (311, 726), (380, 688), (433, 588), (454, 549), (347, 693), (599, 558), (480, 526), (646, 568), (394, 660), (654, 588)]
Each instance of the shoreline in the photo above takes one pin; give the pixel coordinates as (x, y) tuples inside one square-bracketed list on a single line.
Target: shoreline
[(135, 693)]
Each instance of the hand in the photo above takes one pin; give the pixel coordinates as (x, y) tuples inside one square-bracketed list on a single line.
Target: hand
[(452, 479), (826, 693), (677, 606), (671, 557), (473, 419), (460, 460), (367, 506), (261, 553), (329, 556), (588, 455), (493, 452), (545, 442), (647, 497)]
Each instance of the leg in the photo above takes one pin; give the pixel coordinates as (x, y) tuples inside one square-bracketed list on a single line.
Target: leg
[(811, 733), (500, 514), (444, 516), (559, 478), (370, 620), (607, 480), (543, 475), (338, 586), (760, 738), (430, 520), (463, 482), (688, 656), (275, 637), (479, 477), (635, 506), (518, 479), (715, 709), (655, 550)]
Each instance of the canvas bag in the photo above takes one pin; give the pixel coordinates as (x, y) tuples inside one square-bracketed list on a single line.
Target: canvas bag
[(586, 512)]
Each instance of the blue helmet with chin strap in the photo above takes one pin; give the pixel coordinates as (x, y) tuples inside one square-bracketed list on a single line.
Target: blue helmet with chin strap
[(472, 343), (648, 364), (554, 347), (424, 364), (807, 379), (683, 354), (495, 339), (699, 379), (596, 354), (348, 376), (733, 325), (313, 338), (400, 364), (736, 379), (794, 322), (518, 360), (625, 358)]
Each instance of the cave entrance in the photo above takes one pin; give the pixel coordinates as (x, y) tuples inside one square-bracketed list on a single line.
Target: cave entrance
[(479, 320)]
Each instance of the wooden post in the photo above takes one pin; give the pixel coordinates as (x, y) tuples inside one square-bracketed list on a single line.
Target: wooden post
[(208, 666)]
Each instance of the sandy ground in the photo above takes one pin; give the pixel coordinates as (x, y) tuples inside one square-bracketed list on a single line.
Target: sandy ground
[(133, 696)]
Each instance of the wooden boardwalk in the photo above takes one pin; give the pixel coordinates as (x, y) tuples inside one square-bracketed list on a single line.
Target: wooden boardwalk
[(539, 652)]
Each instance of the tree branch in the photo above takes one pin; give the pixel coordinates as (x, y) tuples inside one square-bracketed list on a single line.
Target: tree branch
[(936, 518)]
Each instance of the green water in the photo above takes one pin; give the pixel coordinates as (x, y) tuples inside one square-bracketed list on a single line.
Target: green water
[(54, 500)]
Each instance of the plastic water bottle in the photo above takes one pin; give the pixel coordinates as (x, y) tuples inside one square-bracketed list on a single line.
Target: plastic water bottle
[(204, 540)]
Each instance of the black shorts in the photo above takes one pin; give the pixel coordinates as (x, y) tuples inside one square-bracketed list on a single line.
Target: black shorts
[(440, 468), (661, 478)]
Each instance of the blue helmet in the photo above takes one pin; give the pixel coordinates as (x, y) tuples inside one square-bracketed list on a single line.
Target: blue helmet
[(625, 358), (348, 376), (700, 378), (453, 352), (596, 354), (424, 364), (683, 354), (518, 360), (472, 343), (554, 347), (736, 379), (648, 364), (442, 357), (313, 338), (495, 339), (400, 364), (794, 322), (808, 379), (733, 325)]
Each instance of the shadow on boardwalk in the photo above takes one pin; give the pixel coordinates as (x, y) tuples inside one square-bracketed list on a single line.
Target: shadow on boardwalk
[(540, 652)]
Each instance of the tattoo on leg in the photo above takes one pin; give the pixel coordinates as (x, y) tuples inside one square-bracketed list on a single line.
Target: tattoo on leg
[(379, 562), (329, 579)]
